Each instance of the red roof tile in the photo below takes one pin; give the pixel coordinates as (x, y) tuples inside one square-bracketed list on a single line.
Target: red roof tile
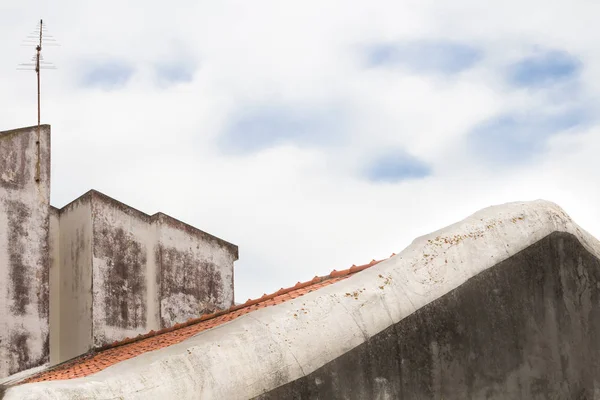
[(106, 356)]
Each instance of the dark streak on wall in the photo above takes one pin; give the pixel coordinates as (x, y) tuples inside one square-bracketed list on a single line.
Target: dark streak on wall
[(43, 279), (526, 328), (182, 273), (13, 161), (77, 251), (124, 279), (19, 272), (19, 348), (20, 352), (26, 259), (158, 263)]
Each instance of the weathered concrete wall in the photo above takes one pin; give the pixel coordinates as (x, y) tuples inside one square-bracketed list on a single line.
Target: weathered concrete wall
[(151, 272), (526, 328), (74, 302), (196, 271), (121, 270), (95, 268), (271, 347), (123, 241), (24, 249)]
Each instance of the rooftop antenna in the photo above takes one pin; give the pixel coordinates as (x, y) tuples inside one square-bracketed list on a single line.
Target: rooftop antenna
[(38, 38)]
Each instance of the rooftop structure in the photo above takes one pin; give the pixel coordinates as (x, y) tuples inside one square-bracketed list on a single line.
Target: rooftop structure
[(503, 304), (94, 272)]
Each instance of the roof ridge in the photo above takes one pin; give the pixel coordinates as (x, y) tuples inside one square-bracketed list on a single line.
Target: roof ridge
[(250, 302), (69, 369)]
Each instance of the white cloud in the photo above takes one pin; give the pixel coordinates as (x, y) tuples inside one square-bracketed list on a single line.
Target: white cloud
[(297, 211)]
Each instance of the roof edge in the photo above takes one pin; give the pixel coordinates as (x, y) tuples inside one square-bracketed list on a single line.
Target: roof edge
[(250, 302), (94, 194), (11, 132)]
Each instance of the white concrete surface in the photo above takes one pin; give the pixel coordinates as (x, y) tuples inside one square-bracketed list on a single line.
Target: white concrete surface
[(269, 347)]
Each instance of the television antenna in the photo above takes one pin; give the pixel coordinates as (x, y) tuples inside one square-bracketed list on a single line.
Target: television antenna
[(38, 38)]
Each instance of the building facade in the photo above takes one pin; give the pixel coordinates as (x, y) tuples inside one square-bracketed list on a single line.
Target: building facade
[(94, 272)]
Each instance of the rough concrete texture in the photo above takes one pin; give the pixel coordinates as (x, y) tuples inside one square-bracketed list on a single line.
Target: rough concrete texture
[(271, 347), (71, 275), (122, 242), (121, 272), (24, 243), (196, 272), (526, 328), (151, 272)]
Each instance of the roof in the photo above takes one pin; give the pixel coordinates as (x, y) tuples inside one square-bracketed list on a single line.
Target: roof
[(263, 350), (116, 352)]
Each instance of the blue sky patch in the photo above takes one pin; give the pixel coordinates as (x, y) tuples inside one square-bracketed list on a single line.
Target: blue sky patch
[(515, 139), (175, 73), (265, 127), (396, 167), (426, 56), (107, 75), (544, 69)]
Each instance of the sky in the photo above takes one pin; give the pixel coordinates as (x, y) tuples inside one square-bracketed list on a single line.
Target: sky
[(319, 134)]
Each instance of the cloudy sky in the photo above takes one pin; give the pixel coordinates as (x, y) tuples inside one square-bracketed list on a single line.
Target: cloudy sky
[(315, 134)]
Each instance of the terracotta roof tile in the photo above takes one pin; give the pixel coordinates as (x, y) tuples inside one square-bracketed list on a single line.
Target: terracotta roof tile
[(106, 356)]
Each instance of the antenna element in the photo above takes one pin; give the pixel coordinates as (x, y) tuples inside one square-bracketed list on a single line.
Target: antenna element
[(37, 38)]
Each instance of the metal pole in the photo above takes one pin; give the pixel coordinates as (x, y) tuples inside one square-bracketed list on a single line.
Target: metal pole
[(37, 39), (37, 70)]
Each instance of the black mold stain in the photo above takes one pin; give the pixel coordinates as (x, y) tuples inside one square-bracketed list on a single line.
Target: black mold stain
[(77, 264), (19, 352), (13, 161), (182, 273), (43, 275), (124, 279), (19, 271)]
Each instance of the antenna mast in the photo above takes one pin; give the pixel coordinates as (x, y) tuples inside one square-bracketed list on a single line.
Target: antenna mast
[(37, 38)]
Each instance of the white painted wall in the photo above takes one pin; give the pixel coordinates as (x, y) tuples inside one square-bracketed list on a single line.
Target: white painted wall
[(266, 348), (24, 258)]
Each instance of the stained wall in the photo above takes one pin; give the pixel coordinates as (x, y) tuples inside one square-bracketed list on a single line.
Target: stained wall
[(501, 305), (195, 271), (95, 271), (24, 248), (124, 273)]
